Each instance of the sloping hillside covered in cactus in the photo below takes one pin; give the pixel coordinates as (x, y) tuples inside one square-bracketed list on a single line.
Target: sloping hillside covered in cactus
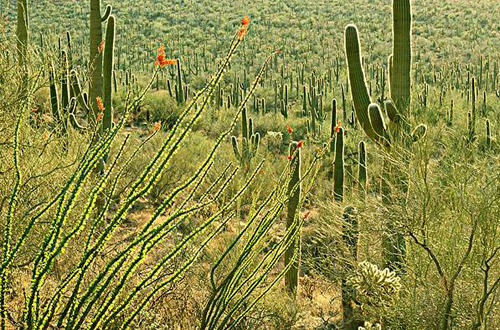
[(250, 164)]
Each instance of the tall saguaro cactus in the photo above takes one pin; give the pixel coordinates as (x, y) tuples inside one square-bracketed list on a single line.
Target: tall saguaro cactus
[(292, 255), (370, 114), (401, 54), (109, 52), (96, 67), (22, 30)]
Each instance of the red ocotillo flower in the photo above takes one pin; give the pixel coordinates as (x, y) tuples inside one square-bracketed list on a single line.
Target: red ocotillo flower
[(300, 144), (157, 126), (289, 129), (100, 105), (337, 128), (245, 21), (161, 60)]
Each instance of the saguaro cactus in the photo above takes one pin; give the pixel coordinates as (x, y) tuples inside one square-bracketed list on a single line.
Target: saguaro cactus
[(96, 55), (370, 115), (109, 52), (22, 30), (250, 141), (401, 60), (338, 171), (294, 192)]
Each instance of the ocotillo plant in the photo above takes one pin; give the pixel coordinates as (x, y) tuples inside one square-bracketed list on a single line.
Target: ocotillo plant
[(228, 304), (362, 171), (92, 294), (292, 254), (250, 141)]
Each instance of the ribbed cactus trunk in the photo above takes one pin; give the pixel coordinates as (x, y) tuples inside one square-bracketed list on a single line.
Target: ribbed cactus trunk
[(294, 192), (359, 90), (22, 30), (401, 60), (109, 52), (95, 88)]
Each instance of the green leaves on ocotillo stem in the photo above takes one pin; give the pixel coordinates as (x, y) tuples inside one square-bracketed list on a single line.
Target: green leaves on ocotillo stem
[(294, 191), (362, 170), (419, 132), (359, 90), (338, 167), (378, 125)]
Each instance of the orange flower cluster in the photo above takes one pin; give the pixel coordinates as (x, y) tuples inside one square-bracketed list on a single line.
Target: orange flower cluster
[(245, 21), (161, 60), (289, 129), (337, 128), (157, 126), (300, 144), (100, 105)]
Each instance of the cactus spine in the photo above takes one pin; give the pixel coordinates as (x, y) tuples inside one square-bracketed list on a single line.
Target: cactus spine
[(292, 254)]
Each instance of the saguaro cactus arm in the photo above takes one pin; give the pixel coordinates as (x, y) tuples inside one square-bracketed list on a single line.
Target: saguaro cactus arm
[(357, 81)]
